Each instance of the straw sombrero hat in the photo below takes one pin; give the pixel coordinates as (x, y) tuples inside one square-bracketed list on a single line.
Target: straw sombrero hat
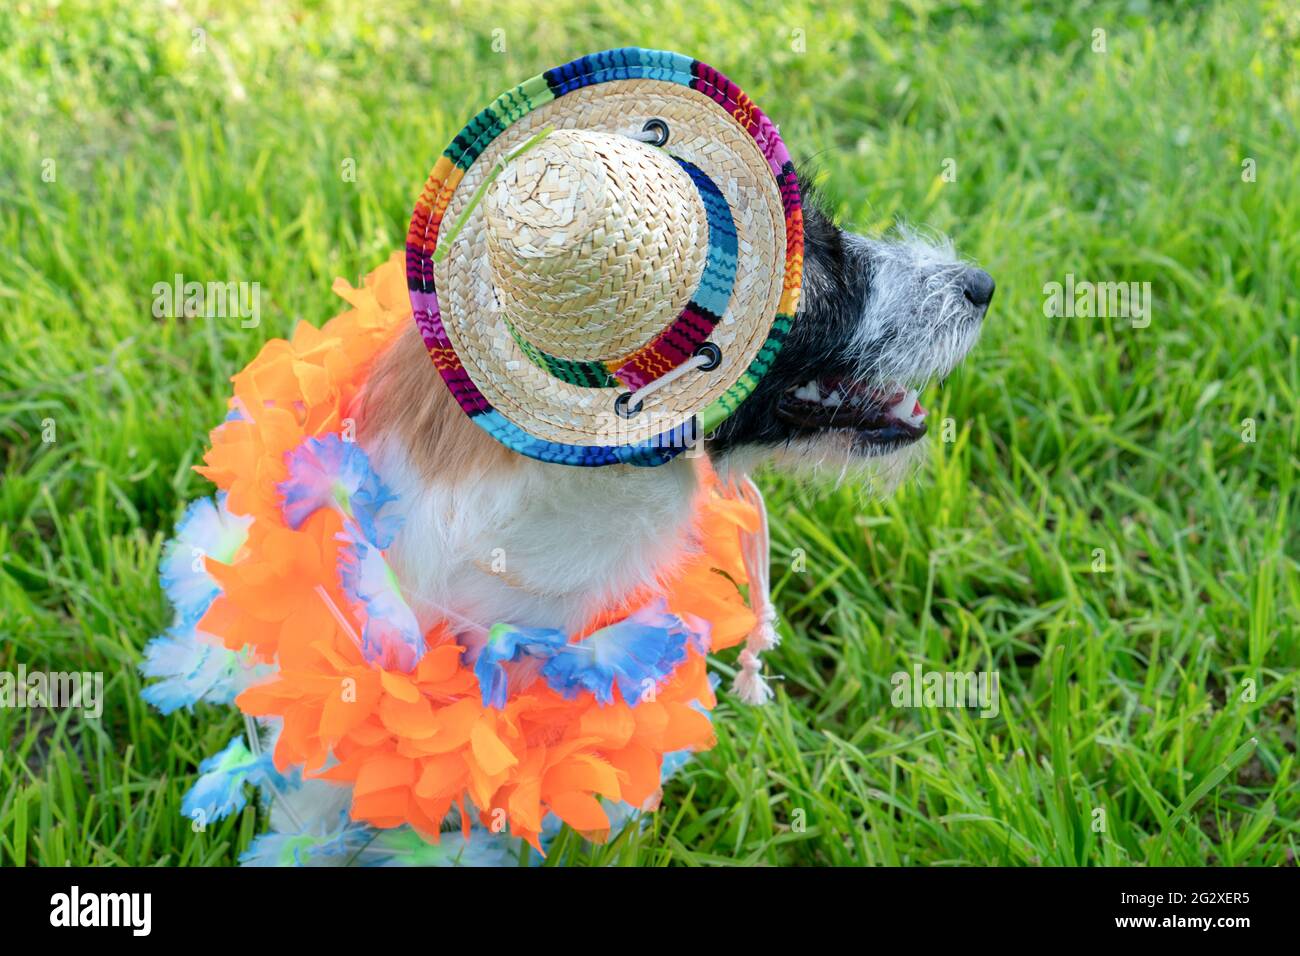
[(605, 261)]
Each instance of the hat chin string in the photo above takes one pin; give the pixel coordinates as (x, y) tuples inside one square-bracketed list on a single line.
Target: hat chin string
[(649, 388)]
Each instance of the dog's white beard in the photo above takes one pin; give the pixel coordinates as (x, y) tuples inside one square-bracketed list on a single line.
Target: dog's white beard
[(829, 460)]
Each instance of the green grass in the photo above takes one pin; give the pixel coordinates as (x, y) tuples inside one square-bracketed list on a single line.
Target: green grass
[(1122, 690)]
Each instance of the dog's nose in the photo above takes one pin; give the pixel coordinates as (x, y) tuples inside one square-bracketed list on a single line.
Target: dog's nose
[(978, 286)]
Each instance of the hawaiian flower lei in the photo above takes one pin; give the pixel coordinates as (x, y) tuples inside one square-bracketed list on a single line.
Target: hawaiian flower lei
[(285, 605)]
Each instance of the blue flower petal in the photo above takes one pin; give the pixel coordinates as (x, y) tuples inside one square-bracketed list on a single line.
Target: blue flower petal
[(207, 529), (329, 472), (391, 634), (636, 654), (507, 643), (194, 667), (331, 847), (405, 847), (219, 790)]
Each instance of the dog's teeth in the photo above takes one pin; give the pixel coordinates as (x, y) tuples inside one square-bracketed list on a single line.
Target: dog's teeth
[(908, 408), (809, 393), (833, 400)]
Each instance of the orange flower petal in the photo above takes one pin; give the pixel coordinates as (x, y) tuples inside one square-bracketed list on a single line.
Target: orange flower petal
[(613, 725), (581, 811), (640, 767), (583, 772), (442, 775), (413, 719), (439, 664), (489, 750), (352, 701), (399, 686), (382, 772)]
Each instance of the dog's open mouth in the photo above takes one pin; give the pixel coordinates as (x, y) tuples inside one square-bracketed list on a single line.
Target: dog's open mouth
[(878, 415)]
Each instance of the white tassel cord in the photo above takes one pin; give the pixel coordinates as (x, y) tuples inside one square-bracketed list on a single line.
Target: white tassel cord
[(750, 685), (254, 740)]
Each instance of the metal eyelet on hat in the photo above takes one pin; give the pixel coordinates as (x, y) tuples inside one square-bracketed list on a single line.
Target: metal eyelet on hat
[(659, 128), (713, 352), (621, 409)]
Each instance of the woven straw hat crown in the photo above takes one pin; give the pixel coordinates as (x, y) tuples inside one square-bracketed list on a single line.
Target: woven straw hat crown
[(595, 243)]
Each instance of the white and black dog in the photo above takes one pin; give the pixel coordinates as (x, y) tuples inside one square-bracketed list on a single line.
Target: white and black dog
[(489, 535)]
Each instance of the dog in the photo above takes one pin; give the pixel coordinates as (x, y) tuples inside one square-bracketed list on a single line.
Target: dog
[(520, 636), (489, 535)]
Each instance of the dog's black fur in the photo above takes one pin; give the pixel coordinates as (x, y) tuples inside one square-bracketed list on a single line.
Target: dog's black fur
[(827, 341)]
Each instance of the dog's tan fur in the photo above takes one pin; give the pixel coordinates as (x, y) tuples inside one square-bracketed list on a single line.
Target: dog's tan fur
[(403, 399)]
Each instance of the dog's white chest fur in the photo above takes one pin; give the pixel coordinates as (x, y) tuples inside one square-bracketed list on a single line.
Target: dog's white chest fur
[(541, 545)]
